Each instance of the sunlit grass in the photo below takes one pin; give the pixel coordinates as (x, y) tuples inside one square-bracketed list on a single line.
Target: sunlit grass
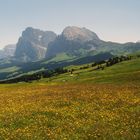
[(69, 111)]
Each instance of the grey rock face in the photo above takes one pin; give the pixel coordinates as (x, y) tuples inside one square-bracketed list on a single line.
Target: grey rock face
[(74, 41), (33, 44), (79, 34)]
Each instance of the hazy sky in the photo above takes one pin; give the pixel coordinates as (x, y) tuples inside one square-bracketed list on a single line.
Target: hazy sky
[(115, 20)]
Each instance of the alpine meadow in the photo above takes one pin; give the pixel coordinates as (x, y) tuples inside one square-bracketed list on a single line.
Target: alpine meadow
[(61, 78)]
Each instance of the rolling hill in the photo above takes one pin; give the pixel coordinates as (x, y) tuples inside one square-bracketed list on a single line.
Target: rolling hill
[(124, 72), (12, 68)]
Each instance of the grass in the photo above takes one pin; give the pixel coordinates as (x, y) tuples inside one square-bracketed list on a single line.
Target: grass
[(60, 57), (9, 69), (87, 111), (86, 105)]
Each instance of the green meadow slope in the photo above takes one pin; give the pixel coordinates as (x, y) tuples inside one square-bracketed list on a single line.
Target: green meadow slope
[(87, 105), (124, 72), (14, 68)]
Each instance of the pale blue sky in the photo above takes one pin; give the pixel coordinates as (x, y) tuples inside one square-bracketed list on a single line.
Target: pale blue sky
[(115, 20)]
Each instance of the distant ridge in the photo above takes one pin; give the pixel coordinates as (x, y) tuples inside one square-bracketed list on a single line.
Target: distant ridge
[(73, 42), (7, 51)]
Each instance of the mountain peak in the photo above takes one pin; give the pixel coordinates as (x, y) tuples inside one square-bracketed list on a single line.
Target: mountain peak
[(33, 43), (32, 33), (77, 33)]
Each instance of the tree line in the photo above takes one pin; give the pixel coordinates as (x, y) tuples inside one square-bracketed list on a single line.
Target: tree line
[(36, 76), (105, 63)]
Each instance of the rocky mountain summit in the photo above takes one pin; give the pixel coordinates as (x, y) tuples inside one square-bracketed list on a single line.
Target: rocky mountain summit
[(33, 44), (73, 42), (79, 34)]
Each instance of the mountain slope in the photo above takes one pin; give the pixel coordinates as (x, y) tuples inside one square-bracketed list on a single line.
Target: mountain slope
[(121, 73), (77, 42), (13, 68), (125, 70), (74, 41), (74, 46)]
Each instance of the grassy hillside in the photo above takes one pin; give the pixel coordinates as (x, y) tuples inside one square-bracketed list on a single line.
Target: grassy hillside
[(124, 72), (14, 68), (85, 105)]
